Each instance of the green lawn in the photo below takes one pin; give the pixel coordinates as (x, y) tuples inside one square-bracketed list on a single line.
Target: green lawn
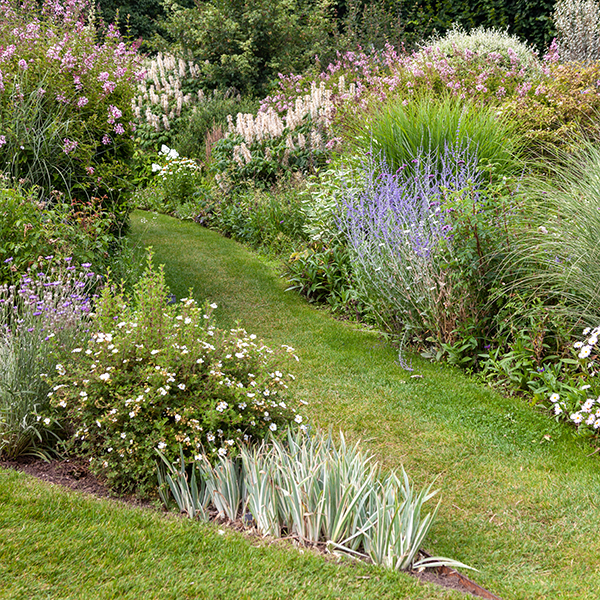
[(519, 507)]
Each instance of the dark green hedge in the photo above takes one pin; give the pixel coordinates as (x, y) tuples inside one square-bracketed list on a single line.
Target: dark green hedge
[(410, 22)]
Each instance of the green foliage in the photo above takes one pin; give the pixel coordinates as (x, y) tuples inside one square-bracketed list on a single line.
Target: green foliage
[(30, 229), (245, 44), (156, 374), (267, 220), (207, 122), (405, 131)]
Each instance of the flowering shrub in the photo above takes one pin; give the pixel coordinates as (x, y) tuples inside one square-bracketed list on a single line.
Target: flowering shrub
[(41, 319), (549, 99), (263, 146), (170, 88), (155, 375), (577, 397), (506, 50), (65, 100), (178, 177)]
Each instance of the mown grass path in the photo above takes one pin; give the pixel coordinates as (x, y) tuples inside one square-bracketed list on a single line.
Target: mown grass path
[(520, 507)]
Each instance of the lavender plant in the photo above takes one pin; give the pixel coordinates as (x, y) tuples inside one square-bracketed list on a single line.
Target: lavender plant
[(42, 319), (400, 237)]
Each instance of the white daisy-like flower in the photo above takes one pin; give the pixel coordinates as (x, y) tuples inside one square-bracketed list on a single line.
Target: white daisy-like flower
[(181, 386), (47, 421), (590, 420), (585, 352), (177, 418), (153, 352), (161, 445), (558, 409), (131, 414), (162, 391), (210, 437), (596, 424), (222, 452), (577, 418), (213, 305), (586, 330), (273, 427), (298, 419), (105, 376), (587, 405), (554, 397), (123, 436)]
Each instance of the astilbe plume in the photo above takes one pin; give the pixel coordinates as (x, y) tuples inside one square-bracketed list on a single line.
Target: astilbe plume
[(400, 238)]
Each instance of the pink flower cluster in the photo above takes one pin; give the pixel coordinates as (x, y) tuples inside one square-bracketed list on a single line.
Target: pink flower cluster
[(380, 76), (55, 44)]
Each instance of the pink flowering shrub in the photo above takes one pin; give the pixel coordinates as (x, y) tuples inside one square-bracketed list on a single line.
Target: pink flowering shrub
[(65, 99), (548, 99)]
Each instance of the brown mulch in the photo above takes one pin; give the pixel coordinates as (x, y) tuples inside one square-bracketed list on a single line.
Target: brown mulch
[(74, 473)]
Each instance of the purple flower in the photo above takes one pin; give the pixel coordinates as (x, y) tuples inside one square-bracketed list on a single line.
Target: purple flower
[(8, 260), (106, 140), (2, 140), (82, 102), (119, 129), (23, 64)]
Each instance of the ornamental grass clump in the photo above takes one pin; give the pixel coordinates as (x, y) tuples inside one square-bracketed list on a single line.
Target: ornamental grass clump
[(42, 319), (315, 490), (156, 374)]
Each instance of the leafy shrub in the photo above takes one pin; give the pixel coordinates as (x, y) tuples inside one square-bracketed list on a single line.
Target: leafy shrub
[(207, 123), (244, 45), (41, 319), (562, 110), (154, 375), (267, 220), (311, 488), (30, 229), (508, 50), (577, 25), (65, 101)]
